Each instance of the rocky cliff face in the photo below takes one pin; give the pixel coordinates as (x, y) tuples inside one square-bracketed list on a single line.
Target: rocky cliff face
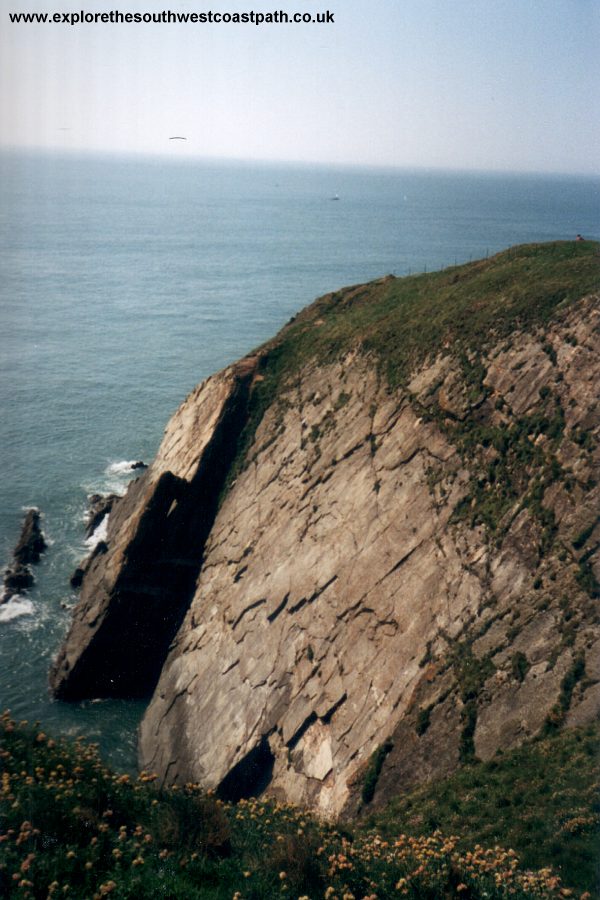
[(396, 578)]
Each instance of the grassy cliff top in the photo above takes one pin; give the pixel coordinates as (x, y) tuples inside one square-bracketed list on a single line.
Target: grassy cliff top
[(401, 321)]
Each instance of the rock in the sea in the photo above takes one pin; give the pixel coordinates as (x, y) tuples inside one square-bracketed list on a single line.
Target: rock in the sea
[(99, 506), (139, 465), (31, 543), (18, 576)]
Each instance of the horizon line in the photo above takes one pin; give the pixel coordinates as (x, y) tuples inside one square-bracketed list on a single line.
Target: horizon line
[(288, 162)]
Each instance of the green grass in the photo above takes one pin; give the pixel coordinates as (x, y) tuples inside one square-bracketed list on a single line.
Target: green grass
[(374, 770), (542, 800), (404, 320), (401, 322), (69, 827)]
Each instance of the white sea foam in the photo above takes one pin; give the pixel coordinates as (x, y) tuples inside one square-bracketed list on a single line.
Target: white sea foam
[(125, 467), (16, 607), (115, 478), (98, 534)]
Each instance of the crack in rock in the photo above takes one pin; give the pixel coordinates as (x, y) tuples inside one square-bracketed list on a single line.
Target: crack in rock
[(248, 609), (308, 600)]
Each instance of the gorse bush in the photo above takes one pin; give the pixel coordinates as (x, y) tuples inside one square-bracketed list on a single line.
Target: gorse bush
[(69, 827), (542, 799)]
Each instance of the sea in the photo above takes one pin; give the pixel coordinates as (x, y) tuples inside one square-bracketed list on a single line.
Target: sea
[(127, 280)]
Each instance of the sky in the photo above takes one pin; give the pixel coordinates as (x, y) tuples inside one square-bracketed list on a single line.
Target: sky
[(508, 85)]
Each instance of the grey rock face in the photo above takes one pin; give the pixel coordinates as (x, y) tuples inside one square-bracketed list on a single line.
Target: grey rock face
[(342, 601)]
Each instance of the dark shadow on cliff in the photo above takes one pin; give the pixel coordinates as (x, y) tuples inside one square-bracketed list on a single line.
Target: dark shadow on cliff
[(251, 776), (158, 576)]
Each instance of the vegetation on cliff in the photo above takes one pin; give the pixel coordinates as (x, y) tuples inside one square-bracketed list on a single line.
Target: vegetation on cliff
[(70, 827), (541, 798), (403, 321)]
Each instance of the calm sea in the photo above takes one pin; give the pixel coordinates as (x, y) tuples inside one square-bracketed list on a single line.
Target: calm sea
[(126, 281)]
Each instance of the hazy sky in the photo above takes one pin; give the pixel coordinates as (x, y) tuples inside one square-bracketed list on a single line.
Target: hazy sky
[(510, 84)]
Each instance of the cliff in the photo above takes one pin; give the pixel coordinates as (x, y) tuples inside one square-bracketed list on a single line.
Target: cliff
[(369, 552)]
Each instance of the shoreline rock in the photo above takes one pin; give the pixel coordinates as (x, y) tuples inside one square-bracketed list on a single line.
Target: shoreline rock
[(99, 506)]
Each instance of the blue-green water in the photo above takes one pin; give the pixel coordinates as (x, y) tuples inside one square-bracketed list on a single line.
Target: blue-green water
[(126, 281)]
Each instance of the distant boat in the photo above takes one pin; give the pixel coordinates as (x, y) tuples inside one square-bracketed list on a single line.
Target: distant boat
[(335, 197)]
